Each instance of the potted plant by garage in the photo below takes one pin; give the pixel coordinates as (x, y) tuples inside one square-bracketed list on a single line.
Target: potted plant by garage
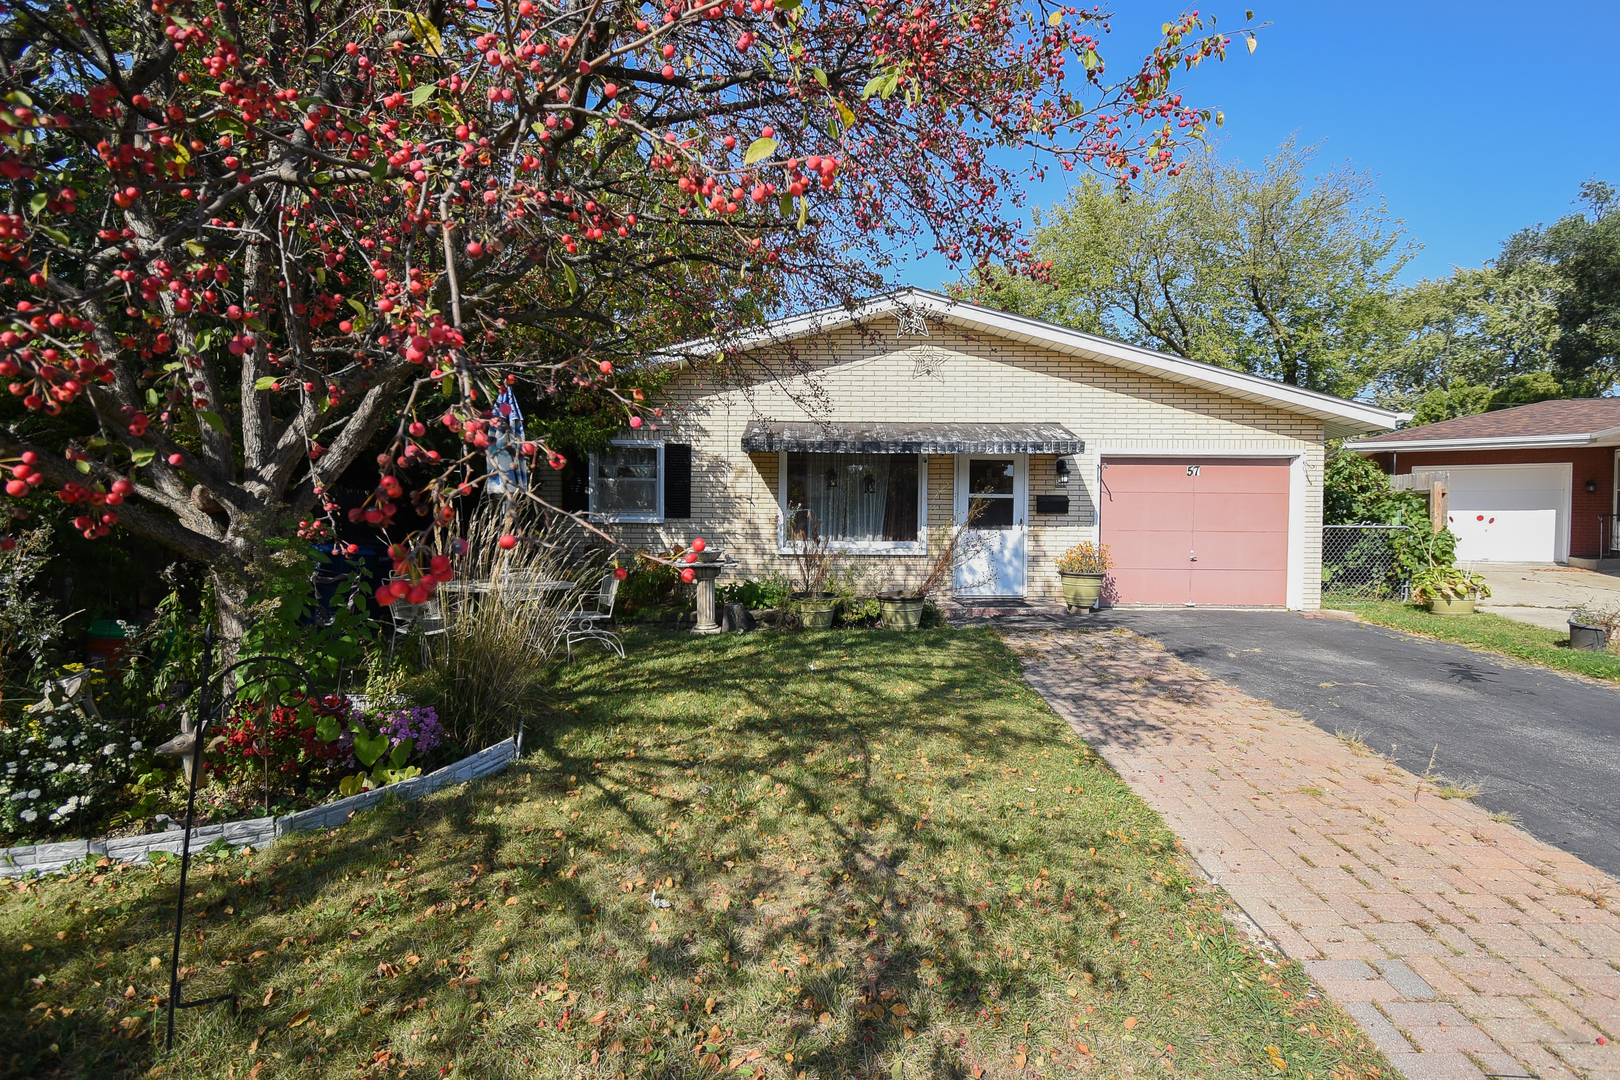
[(1592, 627), (813, 562), (1448, 590), (1082, 570)]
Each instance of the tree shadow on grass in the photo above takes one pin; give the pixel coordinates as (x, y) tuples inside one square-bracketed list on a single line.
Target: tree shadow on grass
[(759, 775)]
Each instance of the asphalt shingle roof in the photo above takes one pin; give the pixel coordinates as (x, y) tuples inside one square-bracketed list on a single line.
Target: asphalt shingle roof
[(1573, 417)]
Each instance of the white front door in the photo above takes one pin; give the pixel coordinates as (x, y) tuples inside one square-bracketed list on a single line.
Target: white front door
[(993, 491)]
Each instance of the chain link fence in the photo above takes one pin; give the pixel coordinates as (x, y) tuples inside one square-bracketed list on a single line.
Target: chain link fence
[(1358, 563)]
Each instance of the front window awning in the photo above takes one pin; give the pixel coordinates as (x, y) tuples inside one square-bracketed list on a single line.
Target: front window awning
[(766, 436)]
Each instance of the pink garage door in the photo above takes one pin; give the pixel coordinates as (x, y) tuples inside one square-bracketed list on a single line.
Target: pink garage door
[(1197, 530)]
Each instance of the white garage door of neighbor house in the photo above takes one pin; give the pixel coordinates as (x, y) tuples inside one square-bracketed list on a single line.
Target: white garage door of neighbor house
[(1510, 513)]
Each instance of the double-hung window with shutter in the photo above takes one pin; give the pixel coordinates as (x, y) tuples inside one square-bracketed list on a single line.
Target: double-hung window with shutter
[(639, 480), (627, 481)]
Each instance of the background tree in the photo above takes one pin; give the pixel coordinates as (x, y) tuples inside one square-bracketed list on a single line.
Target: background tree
[(247, 244), (1536, 324), (1267, 272), (1583, 251)]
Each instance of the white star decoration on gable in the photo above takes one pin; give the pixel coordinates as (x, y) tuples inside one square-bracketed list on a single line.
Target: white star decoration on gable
[(926, 362), (912, 323)]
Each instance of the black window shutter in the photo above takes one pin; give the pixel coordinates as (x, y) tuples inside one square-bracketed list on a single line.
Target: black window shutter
[(576, 484), (677, 480)]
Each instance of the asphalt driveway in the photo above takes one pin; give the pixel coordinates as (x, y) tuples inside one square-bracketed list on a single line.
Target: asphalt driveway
[(1545, 746)]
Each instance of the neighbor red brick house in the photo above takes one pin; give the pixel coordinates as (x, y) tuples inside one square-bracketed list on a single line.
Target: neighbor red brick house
[(1534, 483)]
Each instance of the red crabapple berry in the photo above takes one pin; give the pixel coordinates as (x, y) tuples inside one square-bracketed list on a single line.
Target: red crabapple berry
[(688, 575), (508, 542), (698, 544), (635, 421)]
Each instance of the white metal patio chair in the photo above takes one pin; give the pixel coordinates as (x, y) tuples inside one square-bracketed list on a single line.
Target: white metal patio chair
[(425, 619), (591, 622)]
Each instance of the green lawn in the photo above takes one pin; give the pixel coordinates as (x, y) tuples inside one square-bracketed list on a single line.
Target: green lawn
[(874, 855), (1482, 630)]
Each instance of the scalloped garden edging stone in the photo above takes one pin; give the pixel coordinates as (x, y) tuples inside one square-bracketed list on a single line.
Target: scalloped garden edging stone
[(254, 832)]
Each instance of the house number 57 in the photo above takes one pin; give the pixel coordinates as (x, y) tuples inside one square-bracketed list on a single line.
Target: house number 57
[(1192, 470)]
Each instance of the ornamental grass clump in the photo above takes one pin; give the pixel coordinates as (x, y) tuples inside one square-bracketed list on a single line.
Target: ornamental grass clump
[(491, 661), (1085, 558)]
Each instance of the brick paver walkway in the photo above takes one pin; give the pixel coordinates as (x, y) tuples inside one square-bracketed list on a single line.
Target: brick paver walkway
[(1464, 946)]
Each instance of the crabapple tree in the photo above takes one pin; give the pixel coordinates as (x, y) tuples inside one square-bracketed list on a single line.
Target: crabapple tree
[(248, 247)]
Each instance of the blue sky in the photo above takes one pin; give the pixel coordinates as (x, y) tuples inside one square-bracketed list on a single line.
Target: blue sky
[(1477, 118)]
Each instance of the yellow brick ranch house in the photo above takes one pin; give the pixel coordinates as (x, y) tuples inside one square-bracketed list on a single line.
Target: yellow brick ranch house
[(887, 422)]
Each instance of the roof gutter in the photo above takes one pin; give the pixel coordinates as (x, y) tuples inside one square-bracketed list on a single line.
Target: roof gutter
[(1518, 442)]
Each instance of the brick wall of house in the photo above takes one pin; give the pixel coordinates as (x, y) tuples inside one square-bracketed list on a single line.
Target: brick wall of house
[(1587, 463), (949, 376)]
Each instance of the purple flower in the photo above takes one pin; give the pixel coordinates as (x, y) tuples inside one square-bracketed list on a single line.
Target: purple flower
[(417, 722)]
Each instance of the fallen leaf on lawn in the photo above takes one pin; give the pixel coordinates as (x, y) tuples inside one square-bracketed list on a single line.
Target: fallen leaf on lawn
[(1021, 1058), (899, 1010), (1276, 1058), (268, 994), (1130, 1021), (825, 1018), (616, 1046), (907, 1032), (1083, 1048), (1072, 992), (256, 954), (599, 1019), (131, 1025), (708, 1006), (510, 900), (298, 1018)]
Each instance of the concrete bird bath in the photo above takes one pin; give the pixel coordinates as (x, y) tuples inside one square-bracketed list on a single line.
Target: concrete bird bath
[(711, 563)]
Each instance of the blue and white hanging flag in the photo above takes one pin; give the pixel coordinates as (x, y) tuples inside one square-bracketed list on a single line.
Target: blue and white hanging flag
[(508, 468)]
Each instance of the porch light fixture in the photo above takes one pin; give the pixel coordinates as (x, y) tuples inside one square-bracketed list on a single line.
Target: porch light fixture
[(869, 485), (1062, 471), (1591, 486), (832, 478)]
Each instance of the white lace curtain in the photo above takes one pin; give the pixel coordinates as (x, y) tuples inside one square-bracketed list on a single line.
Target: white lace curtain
[(853, 497)]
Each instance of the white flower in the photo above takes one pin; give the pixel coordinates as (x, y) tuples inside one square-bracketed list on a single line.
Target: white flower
[(28, 815), (57, 742), (51, 766), (19, 796), (109, 750), (34, 794), (136, 745)]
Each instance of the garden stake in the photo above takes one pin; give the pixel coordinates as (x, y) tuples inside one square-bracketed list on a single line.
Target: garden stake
[(185, 846)]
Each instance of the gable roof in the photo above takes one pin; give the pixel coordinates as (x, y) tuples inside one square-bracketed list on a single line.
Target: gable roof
[(1567, 422), (1341, 417)]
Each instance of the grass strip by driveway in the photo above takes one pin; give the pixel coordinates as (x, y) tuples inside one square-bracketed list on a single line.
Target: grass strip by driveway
[(807, 855), (1493, 633)]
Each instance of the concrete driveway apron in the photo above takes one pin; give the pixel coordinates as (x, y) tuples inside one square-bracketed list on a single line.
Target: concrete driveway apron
[(1464, 946)]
